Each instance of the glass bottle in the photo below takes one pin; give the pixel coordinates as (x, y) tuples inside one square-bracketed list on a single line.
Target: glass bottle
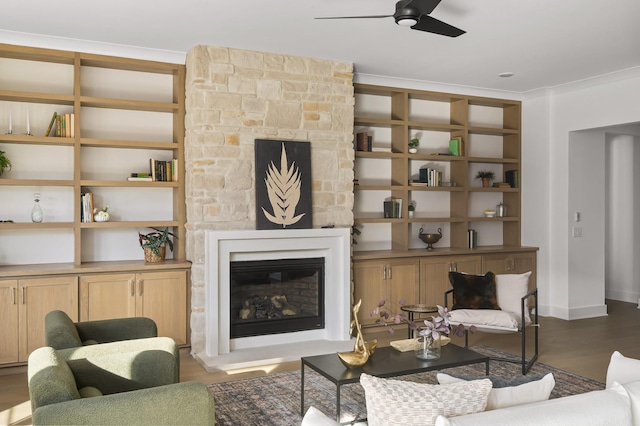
[(36, 213)]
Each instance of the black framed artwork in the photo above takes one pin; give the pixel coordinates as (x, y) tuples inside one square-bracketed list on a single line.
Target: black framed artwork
[(283, 184)]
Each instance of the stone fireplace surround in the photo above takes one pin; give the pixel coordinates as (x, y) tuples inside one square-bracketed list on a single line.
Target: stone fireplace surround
[(222, 247)]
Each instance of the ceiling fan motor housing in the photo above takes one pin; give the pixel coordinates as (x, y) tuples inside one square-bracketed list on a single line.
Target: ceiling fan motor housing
[(405, 12)]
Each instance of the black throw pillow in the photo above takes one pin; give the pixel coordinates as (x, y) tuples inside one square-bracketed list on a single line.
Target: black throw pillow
[(474, 291)]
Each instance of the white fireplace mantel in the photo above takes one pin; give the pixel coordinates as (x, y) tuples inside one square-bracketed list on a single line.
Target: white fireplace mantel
[(223, 247)]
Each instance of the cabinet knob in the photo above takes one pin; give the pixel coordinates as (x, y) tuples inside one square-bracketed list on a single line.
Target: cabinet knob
[(13, 296), (140, 287), (389, 273), (132, 287), (22, 295)]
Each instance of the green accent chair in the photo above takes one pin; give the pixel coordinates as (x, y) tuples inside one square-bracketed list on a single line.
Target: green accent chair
[(62, 333), (61, 396)]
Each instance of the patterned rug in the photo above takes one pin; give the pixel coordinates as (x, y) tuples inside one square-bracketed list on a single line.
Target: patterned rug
[(275, 399)]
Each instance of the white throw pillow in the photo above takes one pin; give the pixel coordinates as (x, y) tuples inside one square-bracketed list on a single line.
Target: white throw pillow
[(525, 393), (396, 402), (315, 417), (633, 390), (485, 318), (622, 369), (510, 288)]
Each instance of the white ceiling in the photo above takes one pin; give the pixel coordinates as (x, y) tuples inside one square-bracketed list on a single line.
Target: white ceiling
[(546, 43)]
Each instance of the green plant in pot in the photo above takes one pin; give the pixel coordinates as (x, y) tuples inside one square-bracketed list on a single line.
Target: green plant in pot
[(155, 244), (413, 145), (5, 163), (486, 177)]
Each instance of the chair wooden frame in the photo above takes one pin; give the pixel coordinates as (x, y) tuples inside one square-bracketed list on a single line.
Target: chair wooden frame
[(526, 365)]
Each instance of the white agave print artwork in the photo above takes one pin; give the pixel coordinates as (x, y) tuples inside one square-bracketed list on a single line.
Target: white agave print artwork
[(283, 184), (283, 188)]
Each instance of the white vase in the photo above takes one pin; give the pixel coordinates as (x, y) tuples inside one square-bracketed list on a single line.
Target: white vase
[(101, 217), (413, 150)]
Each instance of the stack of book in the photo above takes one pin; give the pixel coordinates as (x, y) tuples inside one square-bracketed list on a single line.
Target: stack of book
[(512, 178), (159, 171), (431, 177), (62, 125), (472, 238), (86, 207), (393, 208), (363, 141), (501, 185)]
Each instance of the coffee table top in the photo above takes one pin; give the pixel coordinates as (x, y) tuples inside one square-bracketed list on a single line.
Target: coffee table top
[(388, 362)]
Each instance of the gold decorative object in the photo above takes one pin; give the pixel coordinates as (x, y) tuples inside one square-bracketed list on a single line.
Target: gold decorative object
[(361, 350)]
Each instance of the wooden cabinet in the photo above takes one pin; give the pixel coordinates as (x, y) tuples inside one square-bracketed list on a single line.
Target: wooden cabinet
[(161, 296), (434, 275), (9, 320), (391, 280), (25, 303), (490, 131), (511, 263)]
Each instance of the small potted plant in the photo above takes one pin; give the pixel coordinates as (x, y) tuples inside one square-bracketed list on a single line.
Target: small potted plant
[(155, 244), (413, 145), (5, 163), (412, 208), (486, 177)]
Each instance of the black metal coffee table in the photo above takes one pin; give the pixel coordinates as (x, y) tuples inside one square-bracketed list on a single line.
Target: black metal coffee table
[(386, 362)]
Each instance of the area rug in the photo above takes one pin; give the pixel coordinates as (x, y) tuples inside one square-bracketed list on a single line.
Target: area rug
[(275, 399)]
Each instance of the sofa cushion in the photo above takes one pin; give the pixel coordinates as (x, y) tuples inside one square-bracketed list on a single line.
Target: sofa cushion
[(50, 378), (597, 408), (510, 288), (89, 392), (622, 369), (633, 390), (507, 393), (398, 402), (474, 291), (487, 319)]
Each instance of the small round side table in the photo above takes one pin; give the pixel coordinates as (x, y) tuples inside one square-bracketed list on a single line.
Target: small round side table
[(417, 309)]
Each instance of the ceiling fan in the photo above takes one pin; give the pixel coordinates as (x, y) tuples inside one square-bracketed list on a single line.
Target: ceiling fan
[(415, 14)]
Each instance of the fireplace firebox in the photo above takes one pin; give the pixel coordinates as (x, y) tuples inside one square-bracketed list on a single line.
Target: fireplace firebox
[(276, 296)]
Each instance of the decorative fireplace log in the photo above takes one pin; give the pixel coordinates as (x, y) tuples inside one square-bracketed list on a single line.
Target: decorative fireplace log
[(265, 307)]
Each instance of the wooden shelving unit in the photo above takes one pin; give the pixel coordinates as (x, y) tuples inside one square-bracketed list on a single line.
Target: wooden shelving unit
[(126, 111)]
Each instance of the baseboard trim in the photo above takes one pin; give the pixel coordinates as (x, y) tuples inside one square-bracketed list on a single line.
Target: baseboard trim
[(573, 313)]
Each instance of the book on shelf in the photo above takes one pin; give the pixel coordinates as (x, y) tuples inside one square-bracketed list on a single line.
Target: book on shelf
[(456, 147), (51, 123), (140, 179), (501, 185), (362, 141), (163, 170), (86, 207), (64, 125), (472, 238), (392, 208), (512, 178), (380, 149), (431, 176)]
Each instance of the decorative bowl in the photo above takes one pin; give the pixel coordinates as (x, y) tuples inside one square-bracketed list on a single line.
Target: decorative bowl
[(490, 213), (430, 239)]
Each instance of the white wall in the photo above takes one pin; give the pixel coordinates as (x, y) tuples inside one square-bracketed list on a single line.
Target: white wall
[(586, 105), (621, 229)]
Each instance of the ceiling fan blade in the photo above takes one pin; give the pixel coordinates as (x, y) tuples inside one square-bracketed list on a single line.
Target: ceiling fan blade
[(356, 17), (424, 6), (433, 25)]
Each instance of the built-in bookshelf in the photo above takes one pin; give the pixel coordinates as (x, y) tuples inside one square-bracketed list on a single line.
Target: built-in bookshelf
[(486, 137), (122, 112)]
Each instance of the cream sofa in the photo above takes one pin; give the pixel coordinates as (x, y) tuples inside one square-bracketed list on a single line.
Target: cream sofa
[(617, 405)]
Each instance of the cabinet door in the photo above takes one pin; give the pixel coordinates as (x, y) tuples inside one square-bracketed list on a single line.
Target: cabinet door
[(434, 275), (402, 280), (107, 296), (38, 297), (9, 321), (369, 286), (162, 296), (511, 263)]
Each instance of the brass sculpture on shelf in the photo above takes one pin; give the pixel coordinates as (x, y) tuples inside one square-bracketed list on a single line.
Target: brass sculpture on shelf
[(361, 350)]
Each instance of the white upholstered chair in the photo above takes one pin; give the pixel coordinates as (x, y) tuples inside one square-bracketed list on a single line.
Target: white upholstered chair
[(495, 304)]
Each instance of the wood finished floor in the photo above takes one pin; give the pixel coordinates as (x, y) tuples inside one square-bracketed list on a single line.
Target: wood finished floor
[(580, 346)]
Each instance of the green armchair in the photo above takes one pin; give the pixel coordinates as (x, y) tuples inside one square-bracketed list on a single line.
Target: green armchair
[(57, 398), (62, 333)]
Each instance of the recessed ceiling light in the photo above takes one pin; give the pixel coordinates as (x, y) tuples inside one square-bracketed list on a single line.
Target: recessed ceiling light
[(506, 74)]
